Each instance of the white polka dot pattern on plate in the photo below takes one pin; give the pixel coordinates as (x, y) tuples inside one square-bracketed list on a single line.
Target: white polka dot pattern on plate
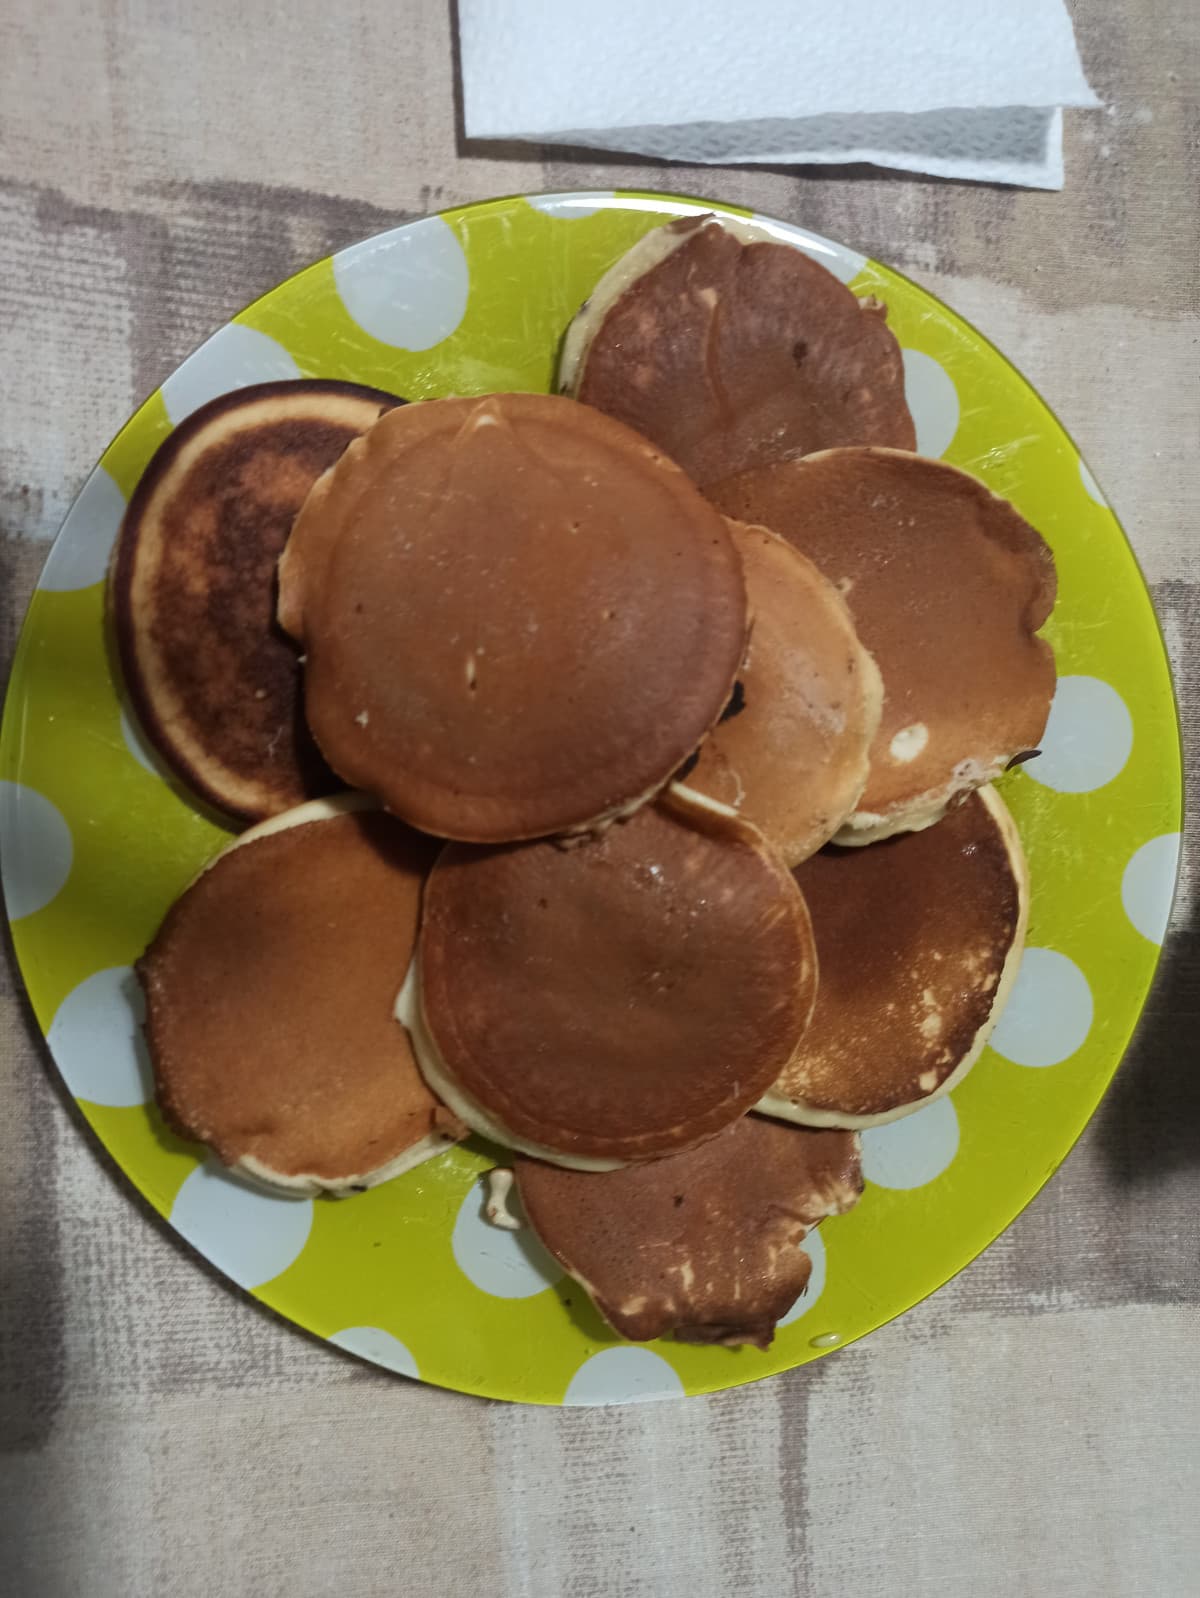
[(250, 1235), (502, 1263), (233, 358), (97, 1043), (1088, 737), (407, 288), (814, 1247), (35, 849), (843, 263), (1148, 885), (81, 551), (378, 1346), (933, 400), (1049, 1012), (1090, 483), (626, 1375), (914, 1150)]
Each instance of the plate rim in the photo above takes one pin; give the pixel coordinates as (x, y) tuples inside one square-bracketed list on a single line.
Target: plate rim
[(655, 201)]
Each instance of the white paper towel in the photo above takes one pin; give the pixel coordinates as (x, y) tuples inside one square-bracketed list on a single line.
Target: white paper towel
[(949, 87)]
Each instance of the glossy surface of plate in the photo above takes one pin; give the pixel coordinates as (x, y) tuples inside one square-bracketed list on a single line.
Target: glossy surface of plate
[(95, 841)]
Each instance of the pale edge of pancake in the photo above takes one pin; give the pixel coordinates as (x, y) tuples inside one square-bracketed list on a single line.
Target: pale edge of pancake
[(698, 810), (864, 827), (646, 254), (784, 1109), (586, 830), (301, 1184), (498, 1210)]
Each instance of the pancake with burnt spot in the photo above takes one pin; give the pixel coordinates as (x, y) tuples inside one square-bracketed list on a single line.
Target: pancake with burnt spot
[(792, 757), (948, 586), (215, 685), (614, 1001), (519, 617), (269, 992), (704, 1244), (730, 350), (919, 938)]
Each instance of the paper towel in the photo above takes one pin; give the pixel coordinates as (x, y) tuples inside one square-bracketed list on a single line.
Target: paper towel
[(939, 86)]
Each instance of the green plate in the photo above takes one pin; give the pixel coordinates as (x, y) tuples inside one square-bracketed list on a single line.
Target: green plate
[(96, 842)]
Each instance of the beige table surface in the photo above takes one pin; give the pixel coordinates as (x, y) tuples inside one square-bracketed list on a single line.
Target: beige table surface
[(1035, 1427)]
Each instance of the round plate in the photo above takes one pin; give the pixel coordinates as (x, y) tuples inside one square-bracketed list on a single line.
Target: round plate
[(96, 841)]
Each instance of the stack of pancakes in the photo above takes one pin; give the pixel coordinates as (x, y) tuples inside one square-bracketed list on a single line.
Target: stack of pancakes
[(668, 707)]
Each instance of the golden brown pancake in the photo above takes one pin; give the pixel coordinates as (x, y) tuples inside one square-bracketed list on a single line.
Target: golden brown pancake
[(706, 1243), (731, 354), (792, 758), (948, 586), (618, 1000), (215, 685), (919, 939), (269, 992), (519, 617)]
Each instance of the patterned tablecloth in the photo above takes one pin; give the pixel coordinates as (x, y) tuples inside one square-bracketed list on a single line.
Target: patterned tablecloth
[(1034, 1427)]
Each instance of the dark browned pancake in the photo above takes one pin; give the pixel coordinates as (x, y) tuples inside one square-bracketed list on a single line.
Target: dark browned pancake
[(948, 586), (705, 1244), (618, 1000), (269, 992), (731, 354), (919, 937), (793, 759), (519, 617), (214, 683)]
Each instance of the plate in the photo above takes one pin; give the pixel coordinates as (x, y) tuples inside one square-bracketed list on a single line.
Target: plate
[(96, 841)]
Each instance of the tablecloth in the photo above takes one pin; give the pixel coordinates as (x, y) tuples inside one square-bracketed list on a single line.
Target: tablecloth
[(1034, 1428)]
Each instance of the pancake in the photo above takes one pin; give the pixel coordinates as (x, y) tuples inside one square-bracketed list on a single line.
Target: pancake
[(269, 994), (793, 759), (731, 351), (704, 1244), (215, 685), (519, 617), (920, 938), (614, 1001), (948, 587)]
